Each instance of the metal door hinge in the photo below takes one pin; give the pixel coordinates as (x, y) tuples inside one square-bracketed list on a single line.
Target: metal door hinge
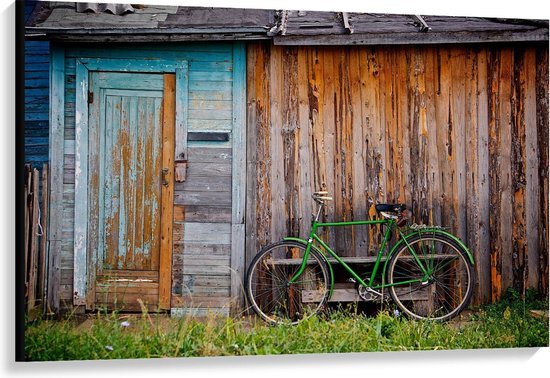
[(90, 97)]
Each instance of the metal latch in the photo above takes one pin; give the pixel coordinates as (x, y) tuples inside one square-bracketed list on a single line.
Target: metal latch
[(164, 174), (181, 170)]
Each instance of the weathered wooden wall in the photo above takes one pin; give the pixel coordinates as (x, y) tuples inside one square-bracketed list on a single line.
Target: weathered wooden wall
[(37, 60), (202, 238), (459, 133)]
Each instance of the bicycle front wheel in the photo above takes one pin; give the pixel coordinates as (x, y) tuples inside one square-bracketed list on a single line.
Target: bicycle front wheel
[(431, 277), (268, 289)]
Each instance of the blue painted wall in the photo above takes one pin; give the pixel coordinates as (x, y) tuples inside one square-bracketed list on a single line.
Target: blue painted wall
[(37, 60), (208, 185)]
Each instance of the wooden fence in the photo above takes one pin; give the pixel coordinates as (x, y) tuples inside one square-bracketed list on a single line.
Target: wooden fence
[(458, 133), (35, 246)]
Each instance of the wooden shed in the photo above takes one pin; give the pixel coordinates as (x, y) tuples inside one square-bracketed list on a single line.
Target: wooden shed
[(182, 139)]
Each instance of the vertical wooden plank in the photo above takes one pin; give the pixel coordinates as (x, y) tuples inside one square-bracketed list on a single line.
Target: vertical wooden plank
[(42, 279), (361, 195), (167, 216), (142, 256), (542, 138), (494, 182), (124, 226), (182, 110), (389, 109), (157, 116), (304, 142), (327, 152), (379, 73), (238, 181), (505, 173), (422, 136), (28, 211), (369, 140), (290, 135), (403, 160), (337, 134), (433, 173), (444, 130), (316, 92), (471, 130), (113, 177), (518, 178), (33, 250), (414, 174), (81, 186), (147, 180), (239, 133), (56, 138), (458, 162), (500, 155), (252, 125), (95, 189), (337, 156), (346, 150), (131, 257), (482, 255), (263, 164), (274, 95), (532, 191), (419, 136)]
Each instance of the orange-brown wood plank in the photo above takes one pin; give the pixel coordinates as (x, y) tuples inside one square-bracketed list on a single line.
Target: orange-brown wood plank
[(532, 190), (518, 172), (482, 249), (542, 137), (505, 193), (167, 192), (359, 153)]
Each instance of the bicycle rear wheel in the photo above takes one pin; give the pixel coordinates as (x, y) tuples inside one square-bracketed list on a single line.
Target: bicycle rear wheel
[(268, 289), (442, 289)]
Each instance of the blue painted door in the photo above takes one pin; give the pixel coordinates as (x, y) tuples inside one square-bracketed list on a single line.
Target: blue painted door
[(128, 109)]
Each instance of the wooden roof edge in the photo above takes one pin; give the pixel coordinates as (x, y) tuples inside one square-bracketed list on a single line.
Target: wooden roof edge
[(143, 36), (414, 38)]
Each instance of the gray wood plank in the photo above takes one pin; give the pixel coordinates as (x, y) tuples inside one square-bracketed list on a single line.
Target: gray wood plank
[(209, 155), (214, 199), (211, 233), (56, 137)]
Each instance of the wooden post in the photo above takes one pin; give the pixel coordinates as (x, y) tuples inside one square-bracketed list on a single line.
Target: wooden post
[(33, 252), (27, 209), (168, 146), (41, 290), (55, 195)]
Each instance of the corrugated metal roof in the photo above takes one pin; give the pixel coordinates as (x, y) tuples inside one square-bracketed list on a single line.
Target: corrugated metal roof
[(93, 22), (118, 9)]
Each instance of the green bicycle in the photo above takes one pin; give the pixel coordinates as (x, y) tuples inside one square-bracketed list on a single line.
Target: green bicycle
[(428, 272)]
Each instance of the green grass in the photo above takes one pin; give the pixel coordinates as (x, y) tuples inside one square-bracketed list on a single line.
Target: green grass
[(507, 324)]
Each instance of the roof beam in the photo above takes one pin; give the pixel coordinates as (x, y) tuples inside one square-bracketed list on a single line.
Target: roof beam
[(347, 24), (423, 27)]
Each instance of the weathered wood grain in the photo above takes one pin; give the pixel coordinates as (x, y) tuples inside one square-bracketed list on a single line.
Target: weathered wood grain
[(449, 130), (167, 190), (542, 137), (56, 137)]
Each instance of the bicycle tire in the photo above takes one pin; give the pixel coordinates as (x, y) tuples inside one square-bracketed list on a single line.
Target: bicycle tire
[(448, 288), (267, 287)]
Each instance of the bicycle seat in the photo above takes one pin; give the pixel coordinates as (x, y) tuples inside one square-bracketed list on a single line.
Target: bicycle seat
[(390, 207)]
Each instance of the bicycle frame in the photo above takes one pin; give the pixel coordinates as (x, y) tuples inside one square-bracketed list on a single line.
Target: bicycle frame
[(391, 224)]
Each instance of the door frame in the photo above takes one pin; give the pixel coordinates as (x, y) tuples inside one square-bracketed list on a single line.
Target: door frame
[(85, 258)]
